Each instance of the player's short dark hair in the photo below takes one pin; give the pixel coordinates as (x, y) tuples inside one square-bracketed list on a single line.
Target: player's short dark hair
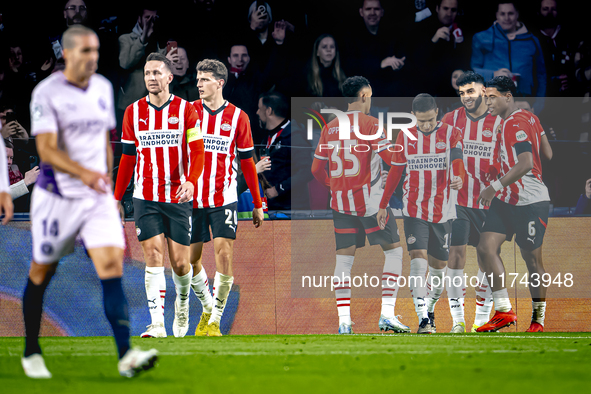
[(278, 102), (8, 144), (158, 57), (503, 84), (352, 86), (470, 77), (68, 38), (423, 102), (215, 67)]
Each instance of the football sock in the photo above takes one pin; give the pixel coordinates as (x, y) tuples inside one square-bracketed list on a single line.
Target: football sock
[(200, 287), (32, 311), (116, 310), (418, 290), (502, 301), (153, 279), (222, 284), (392, 271), (435, 286), (484, 300), (183, 286), (342, 290), (538, 311), (456, 290)]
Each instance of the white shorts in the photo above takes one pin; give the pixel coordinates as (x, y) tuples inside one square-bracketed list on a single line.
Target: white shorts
[(56, 221)]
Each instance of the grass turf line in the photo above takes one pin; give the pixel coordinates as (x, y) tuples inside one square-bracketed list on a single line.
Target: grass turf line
[(548, 362)]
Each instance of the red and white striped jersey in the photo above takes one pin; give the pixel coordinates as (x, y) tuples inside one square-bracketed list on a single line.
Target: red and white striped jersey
[(354, 167), (522, 126), (159, 135), (226, 131), (426, 190), (480, 136)]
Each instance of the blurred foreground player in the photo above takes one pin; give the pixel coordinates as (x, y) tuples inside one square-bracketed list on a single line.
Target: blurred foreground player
[(519, 204), (355, 187), (71, 114), (226, 134), (161, 129)]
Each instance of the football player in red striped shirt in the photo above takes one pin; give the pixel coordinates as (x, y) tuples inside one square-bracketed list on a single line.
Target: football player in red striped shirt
[(519, 204), (160, 130), (226, 133), (429, 205), (355, 186), (479, 130)]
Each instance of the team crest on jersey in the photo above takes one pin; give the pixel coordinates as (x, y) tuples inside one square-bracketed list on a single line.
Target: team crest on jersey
[(37, 112), (226, 127), (46, 248), (531, 121), (487, 133), (173, 120), (411, 240), (138, 231), (440, 145), (520, 135)]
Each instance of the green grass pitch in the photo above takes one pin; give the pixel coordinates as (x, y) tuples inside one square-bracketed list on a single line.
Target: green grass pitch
[(403, 363)]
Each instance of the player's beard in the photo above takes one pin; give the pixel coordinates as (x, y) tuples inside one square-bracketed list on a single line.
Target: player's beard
[(477, 104)]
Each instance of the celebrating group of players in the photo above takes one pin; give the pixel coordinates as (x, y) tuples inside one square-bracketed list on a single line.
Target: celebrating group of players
[(472, 178), (183, 157)]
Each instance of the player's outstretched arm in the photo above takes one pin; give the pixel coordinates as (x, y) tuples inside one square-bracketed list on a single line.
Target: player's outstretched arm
[(50, 153)]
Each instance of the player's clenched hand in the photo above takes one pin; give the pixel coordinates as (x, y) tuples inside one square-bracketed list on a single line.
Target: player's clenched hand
[(381, 217), (486, 196), (456, 183), (6, 207), (257, 217), (95, 180), (185, 192)]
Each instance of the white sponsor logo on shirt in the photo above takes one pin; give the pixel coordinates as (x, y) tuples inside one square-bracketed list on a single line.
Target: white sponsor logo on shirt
[(434, 161), (216, 143), (144, 120), (520, 135), (478, 149)]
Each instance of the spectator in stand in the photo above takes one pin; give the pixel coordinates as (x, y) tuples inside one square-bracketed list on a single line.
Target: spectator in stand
[(20, 79), (134, 47), (439, 40), (6, 206), (325, 74), (19, 184), (509, 44), (584, 203), (373, 51), (2, 74), (10, 128), (583, 75), (289, 173), (184, 83)]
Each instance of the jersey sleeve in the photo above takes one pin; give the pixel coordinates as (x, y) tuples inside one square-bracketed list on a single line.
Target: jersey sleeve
[(128, 139), (192, 124), (456, 139), (516, 131), (399, 156), (244, 142), (43, 114), (320, 153)]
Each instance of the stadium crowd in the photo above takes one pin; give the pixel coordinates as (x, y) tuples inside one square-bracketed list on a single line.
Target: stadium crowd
[(277, 50)]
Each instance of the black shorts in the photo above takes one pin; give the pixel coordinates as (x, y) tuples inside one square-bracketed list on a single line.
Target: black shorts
[(223, 222), (154, 218), (432, 237), (527, 222), (465, 229), (351, 230)]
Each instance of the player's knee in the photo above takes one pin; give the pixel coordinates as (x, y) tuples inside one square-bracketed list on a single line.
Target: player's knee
[(485, 249)]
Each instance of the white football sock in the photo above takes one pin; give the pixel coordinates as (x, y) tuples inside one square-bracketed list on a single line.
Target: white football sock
[(183, 286), (485, 303), (502, 301), (200, 287), (342, 290), (435, 286), (390, 275), (456, 290), (222, 284), (418, 288), (152, 280), (162, 285), (538, 311)]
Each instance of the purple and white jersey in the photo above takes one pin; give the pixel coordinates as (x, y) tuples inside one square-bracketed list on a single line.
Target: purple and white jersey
[(81, 119)]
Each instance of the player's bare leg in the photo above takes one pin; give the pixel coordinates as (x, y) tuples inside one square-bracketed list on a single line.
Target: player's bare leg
[(200, 286), (342, 287), (533, 260), (182, 273), (456, 288), (224, 254), (435, 285), (155, 283), (39, 277), (489, 254), (390, 275), (417, 282)]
